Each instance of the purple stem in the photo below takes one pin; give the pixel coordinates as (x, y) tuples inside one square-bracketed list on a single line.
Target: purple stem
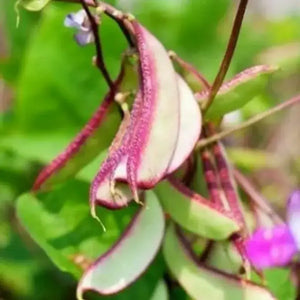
[(256, 197), (99, 54), (210, 177), (229, 53)]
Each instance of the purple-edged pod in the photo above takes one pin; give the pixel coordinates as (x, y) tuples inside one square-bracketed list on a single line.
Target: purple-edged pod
[(234, 94), (155, 135), (193, 212), (95, 136), (202, 282), (126, 261), (109, 188), (189, 126), (189, 132)]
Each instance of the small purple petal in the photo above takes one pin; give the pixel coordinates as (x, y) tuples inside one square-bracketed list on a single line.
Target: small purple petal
[(293, 216), (271, 247), (83, 37), (75, 20)]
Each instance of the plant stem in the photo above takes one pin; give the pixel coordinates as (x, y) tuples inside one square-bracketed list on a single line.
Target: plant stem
[(218, 136), (228, 54), (99, 54), (255, 196), (210, 176)]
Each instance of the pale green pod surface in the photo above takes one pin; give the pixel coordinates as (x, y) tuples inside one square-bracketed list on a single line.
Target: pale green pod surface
[(193, 212), (130, 256), (237, 92), (206, 283)]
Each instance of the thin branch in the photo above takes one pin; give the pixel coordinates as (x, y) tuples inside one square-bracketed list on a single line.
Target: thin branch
[(210, 176), (99, 54), (255, 196), (204, 142), (228, 54)]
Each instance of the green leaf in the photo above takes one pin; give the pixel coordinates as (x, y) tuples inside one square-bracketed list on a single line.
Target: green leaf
[(110, 273), (16, 39), (235, 93), (209, 283), (280, 283), (160, 292), (61, 224), (193, 214), (59, 88), (33, 5)]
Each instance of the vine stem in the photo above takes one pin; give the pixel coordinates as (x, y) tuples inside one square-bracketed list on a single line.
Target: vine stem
[(99, 54), (218, 136), (228, 54), (255, 196)]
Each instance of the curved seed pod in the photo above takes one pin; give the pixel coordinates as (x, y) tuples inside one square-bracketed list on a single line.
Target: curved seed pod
[(189, 132), (130, 256), (193, 212), (113, 171), (91, 140), (153, 142), (94, 138), (235, 93), (189, 126), (202, 282)]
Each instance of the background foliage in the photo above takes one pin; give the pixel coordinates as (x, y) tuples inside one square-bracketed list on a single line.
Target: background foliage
[(49, 88)]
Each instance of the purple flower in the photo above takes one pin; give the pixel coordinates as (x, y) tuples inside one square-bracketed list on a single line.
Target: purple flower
[(80, 21), (276, 246)]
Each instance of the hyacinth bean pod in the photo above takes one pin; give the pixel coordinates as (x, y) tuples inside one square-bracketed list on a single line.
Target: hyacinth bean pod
[(237, 92), (128, 258), (165, 124), (193, 212)]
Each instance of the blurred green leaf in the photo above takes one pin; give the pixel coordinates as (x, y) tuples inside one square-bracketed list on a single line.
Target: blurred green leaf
[(280, 283), (59, 89), (16, 39), (251, 159), (60, 222)]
